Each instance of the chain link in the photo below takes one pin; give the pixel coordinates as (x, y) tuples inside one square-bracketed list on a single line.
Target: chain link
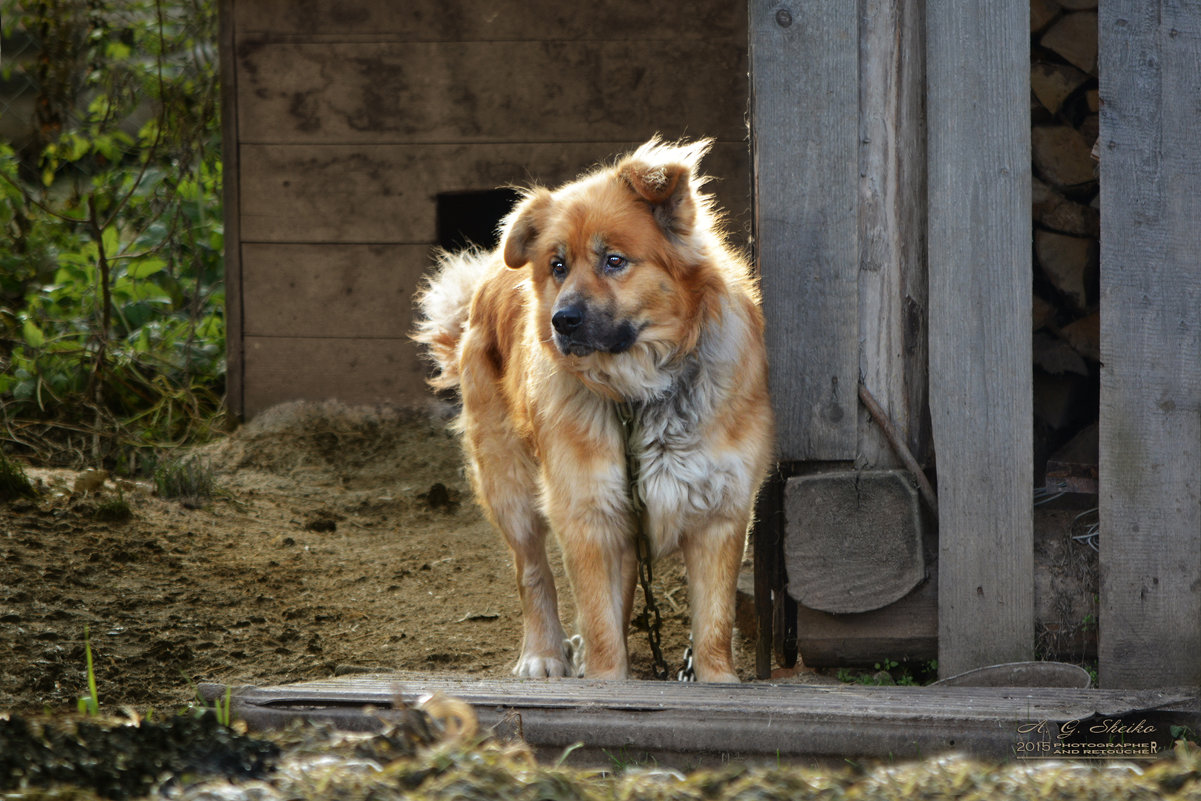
[(653, 617)]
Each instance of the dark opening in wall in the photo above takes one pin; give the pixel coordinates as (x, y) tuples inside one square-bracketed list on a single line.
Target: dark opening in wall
[(471, 218)]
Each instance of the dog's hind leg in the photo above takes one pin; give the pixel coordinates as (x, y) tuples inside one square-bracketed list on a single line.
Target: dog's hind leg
[(504, 480)]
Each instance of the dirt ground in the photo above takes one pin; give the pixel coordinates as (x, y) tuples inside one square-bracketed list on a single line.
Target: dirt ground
[(341, 540)]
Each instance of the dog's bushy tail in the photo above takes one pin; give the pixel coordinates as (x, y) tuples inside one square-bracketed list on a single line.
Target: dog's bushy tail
[(443, 302)]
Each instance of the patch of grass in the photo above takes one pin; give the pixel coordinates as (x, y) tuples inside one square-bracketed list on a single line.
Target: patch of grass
[(188, 480), (90, 703), (623, 760), (13, 481), (890, 672), (114, 509)]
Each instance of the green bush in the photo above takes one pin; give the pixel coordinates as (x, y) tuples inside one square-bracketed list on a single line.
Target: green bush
[(13, 481), (112, 296)]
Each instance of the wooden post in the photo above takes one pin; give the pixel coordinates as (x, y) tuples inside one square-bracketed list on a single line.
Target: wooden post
[(978, 100), (1150, 472), (804, 106), (765, 539), (234, 361)]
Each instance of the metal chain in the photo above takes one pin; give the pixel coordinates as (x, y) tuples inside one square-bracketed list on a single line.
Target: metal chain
[(654, 620)]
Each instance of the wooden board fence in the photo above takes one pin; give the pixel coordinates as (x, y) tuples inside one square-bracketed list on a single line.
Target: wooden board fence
[(804, 108), (1150, 470), (978, 96)]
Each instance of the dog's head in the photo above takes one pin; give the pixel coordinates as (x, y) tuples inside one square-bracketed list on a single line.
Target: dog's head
[(618, 259)]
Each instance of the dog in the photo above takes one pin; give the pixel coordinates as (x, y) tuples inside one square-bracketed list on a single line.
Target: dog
[(615, 291)]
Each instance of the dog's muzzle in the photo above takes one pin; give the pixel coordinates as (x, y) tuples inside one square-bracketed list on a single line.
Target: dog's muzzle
[(580, 331)]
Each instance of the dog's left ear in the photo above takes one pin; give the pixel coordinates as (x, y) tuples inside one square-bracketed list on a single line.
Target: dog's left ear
[(521, 228), (664, 176)]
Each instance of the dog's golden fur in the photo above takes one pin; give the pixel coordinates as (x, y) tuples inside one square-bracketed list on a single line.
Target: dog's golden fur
[(615, 288)]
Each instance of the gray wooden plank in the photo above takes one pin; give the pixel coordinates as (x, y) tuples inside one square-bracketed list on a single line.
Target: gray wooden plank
[(352, 370), (331, 290), (804, 111), (386, 92), (892, 229), (747, 720), (231, 197), (980, 365), (903, 631), (1150, 446), (383, 193), (464, 20)]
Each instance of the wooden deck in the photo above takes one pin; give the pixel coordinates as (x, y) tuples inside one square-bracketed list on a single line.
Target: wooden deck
[(690, 724)]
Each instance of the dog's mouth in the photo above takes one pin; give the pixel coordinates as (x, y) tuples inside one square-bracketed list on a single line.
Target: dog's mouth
[(580, 331), (619, 340)]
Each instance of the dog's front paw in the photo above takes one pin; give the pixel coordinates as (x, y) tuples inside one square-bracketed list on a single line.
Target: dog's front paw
[(543, 666)]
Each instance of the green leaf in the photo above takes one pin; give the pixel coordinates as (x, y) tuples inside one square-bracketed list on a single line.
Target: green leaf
[(116, 51), (76, 147), (32, 334), (111, 240), (144, 268)]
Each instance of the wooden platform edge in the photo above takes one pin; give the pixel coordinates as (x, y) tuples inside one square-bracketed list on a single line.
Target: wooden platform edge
[(686, 724)]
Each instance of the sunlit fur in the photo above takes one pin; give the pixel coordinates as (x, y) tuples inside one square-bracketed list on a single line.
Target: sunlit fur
[(633, 246)]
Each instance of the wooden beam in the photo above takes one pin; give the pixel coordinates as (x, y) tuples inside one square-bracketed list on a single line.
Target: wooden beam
[(804, 108), (383, 193), (231, 184), (683, 723), (356, 370), (978, 88), (467, 21), (769, 582), (1150, 446), (486, 92), (333, 290)]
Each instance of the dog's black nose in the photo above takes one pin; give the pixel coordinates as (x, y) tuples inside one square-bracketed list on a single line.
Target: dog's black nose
[(568, 319)]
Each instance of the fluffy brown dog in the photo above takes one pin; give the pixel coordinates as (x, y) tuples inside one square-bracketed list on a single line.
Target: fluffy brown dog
[(617, 288)]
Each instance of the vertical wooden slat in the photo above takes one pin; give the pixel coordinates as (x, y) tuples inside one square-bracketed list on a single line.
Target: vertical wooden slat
[(892, 228), (1150, 66), (234, 346), (980, 365), (805, 95)]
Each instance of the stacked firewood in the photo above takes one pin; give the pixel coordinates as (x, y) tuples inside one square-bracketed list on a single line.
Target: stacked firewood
[(1066, 208)]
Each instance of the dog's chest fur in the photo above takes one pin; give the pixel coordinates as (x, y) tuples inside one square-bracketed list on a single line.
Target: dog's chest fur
[(684, 479)]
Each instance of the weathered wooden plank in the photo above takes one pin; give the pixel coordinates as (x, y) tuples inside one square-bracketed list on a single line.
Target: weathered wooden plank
[(905, 630), (449, 92), (746, 721), (977, 62), (231, 196), (383, 193), (892, 228), (463, 20), (804, 108), (354, 371), (1150, 445), (331, 290)]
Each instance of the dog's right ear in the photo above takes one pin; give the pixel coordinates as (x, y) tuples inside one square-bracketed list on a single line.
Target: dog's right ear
[(522, 226)]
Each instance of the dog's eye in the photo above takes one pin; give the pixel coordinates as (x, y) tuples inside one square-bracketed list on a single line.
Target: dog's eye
[(558, 268), (615, 263)]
